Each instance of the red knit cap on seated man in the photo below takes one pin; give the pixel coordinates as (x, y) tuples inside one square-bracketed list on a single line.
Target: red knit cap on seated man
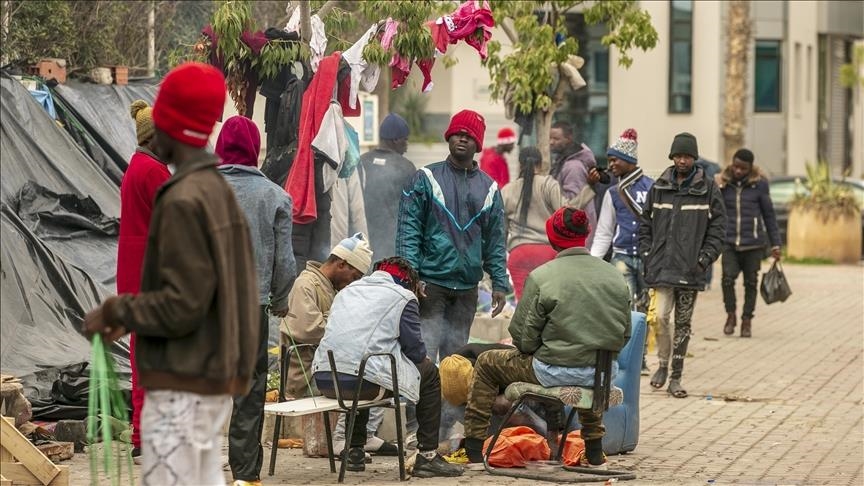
[(567, 228)]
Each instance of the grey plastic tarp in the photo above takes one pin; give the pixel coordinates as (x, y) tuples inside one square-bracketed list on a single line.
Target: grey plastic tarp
[(60, 217)]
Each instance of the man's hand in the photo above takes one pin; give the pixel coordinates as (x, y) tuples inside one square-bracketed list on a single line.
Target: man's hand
[(593, 176), (94, 322), (775, 253), (498, 300), (421, 289), (279, 312)]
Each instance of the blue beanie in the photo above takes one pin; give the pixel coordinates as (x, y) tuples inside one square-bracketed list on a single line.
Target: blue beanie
[(394, 127)]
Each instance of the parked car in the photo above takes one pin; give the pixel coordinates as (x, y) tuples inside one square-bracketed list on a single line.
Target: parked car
[(783, 190)]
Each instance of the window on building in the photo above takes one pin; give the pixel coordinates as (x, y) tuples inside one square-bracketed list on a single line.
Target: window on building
[(798, 78), (767, 74), (680, 56)]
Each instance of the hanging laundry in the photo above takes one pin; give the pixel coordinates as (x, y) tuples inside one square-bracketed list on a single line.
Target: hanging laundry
[(400, 68), (301, 179), (390, 29), (361, 71), (318, 38), (425, 66), (470, 22)]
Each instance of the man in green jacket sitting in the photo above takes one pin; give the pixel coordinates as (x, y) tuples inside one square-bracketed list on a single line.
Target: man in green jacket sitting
[(571, 307)]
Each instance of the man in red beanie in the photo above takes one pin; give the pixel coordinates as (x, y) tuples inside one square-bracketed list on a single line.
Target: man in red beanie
[(571, 307), (493, 161), (196, 317), (451, 229)]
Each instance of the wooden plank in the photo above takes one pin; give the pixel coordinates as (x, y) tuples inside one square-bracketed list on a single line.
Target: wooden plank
[(26, 453), (18, 475), (5, 455), (306, 406), (4, 481)]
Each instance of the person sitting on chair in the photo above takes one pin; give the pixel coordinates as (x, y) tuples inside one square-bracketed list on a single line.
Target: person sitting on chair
[(380, 314), (571, 307)]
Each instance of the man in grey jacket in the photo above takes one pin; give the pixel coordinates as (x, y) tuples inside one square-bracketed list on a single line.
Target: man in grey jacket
[(268, 210)]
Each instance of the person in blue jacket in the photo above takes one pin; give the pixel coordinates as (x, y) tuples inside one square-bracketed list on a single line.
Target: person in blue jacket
[(451, 229)]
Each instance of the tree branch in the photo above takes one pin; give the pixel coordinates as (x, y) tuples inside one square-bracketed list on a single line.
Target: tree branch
[(510, 30), (327, 8), (305, 22)]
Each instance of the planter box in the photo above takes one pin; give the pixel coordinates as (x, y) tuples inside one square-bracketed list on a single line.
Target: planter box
[(837, 239)]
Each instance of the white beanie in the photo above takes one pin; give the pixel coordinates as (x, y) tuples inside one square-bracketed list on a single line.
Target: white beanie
[(356, 251)]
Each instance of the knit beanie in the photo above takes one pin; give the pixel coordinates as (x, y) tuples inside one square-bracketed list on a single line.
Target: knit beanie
[(469, 121), (189, 102), (568, 227), (394, 127), (684, 143), (356, 251), (142, 113), (506, 136), (625, 147), (456, 374)]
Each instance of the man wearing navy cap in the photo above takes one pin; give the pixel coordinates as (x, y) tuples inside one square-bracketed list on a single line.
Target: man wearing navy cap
[(384, 172)]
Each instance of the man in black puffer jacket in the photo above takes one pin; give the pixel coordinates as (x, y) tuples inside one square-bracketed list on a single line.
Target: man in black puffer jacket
[(681, 234), (750, 219)]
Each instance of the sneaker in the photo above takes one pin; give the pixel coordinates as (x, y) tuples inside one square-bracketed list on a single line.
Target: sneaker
[(385, 449), (341, 455), (356, 459), (136, 456), (645, 369), (435, 467)]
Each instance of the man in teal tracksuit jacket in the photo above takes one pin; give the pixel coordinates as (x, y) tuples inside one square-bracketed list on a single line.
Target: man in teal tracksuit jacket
[(451, 229)]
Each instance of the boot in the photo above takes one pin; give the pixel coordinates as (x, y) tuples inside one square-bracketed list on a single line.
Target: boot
[(745, 327), (729, 328)]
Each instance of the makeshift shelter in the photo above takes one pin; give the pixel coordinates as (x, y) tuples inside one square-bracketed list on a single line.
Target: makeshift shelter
[(60, 218)]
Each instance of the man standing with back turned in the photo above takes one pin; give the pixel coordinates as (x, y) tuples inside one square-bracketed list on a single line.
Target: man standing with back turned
[(196, 317)]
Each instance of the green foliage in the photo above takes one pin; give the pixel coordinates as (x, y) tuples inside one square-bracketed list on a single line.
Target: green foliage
[(850, 73), (38, 30), (526, 78), (821, 194)]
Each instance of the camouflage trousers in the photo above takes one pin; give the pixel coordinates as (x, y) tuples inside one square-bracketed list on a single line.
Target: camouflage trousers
[(496, 369)]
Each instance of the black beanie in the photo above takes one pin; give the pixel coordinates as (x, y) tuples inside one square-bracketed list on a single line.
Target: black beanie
[(684, 143)]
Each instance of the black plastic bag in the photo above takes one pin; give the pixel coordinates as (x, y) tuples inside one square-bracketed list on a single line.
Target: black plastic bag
[(774, 286)]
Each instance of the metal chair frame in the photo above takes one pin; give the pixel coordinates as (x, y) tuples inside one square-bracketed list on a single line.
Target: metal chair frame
[(599, 404), (350, 409)]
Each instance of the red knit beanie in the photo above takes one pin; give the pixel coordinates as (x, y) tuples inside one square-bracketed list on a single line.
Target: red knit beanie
[(568, 227), (190, 102), (469, 121)]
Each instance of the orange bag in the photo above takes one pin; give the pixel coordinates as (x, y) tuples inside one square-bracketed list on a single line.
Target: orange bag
[(516, 446), (574, 449)]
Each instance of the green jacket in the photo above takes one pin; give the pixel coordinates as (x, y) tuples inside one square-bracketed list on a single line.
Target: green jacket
[(571, 307), (451, 227)]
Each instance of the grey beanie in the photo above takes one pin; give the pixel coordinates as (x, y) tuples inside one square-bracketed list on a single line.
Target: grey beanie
[(394, 127), (684, 143)]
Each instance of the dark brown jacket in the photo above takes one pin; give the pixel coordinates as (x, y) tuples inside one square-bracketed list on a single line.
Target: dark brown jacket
[(197, 316)]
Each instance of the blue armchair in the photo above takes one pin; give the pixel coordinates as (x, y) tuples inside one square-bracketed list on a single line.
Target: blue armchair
[(622, 421)]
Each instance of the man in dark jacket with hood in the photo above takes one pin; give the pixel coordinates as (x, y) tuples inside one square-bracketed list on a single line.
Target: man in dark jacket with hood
[(750, 218), (681, 234), (196, 317), (268, 210)]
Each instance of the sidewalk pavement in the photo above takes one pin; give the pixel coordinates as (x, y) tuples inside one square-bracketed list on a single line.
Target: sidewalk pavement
[(784, 407)]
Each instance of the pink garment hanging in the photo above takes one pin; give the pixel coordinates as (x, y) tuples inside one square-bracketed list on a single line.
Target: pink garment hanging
[(463, 24)]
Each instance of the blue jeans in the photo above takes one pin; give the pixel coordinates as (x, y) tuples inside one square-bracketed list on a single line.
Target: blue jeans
[(631, 268)]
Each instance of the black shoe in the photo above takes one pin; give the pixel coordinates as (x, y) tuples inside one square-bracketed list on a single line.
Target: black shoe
[(435, 467), (136, 456), (356, 459), (386, 449)]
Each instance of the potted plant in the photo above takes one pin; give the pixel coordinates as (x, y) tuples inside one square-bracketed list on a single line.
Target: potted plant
[(824, 219)]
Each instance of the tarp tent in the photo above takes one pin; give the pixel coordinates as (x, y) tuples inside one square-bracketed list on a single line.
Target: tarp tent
[(97, 117), (60, 216)]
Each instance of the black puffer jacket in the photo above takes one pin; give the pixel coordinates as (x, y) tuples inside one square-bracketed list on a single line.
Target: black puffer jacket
[(682, 230), (749, 211)]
